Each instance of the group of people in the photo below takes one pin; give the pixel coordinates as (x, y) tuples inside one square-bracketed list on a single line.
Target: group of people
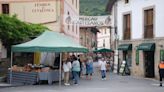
[(82, 68), (73, 65)]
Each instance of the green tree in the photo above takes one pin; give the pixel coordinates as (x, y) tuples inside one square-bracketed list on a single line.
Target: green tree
[(14, 31), (93, 7)]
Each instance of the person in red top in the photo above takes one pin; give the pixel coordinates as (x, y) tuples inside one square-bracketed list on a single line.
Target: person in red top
[(161, 71)]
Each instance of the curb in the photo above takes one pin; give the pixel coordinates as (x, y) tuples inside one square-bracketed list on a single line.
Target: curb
[(4, 85), (151, 79)]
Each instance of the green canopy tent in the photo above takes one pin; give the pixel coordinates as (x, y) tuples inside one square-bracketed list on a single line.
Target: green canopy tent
[(49, 42), (103, 50)]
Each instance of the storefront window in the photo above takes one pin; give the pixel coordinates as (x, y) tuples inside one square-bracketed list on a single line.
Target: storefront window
[(129, 58)]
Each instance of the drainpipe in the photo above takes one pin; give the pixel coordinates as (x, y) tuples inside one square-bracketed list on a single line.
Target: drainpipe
[(61, 16), (11, 76)]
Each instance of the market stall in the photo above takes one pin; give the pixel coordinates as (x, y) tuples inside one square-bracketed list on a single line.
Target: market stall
[(47, 42)]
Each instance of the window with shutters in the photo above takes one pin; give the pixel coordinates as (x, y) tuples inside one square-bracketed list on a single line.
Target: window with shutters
[(76, 29), (127, 27), (72, 1), (104, 43), (148, 23), (68, 26), (105, 30), (5, 8), (126, 1), (72, 27)]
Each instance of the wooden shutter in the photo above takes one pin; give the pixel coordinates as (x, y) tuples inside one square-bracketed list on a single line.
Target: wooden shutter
[(5, 8), (127, 27), (148, 23)]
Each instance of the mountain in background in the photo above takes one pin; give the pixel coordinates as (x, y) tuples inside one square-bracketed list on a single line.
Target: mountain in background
[(93, 7)]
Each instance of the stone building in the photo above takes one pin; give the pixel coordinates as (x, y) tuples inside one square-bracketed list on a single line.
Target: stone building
[(140, 28), (49, 13), (104, 38), (88, 37)]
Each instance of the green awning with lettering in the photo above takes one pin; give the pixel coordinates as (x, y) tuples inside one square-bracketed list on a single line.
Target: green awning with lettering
[(125, 47), (146, 46)]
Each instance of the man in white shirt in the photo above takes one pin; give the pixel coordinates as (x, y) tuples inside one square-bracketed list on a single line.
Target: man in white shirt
[(102, 64)]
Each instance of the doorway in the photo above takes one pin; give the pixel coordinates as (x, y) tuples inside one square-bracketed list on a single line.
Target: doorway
[(127, 57), (149, 64)]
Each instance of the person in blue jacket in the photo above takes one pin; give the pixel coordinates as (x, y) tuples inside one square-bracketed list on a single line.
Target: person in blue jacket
[(76, 70)]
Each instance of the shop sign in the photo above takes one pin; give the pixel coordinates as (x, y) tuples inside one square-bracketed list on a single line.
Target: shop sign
[(36, 12), (42, 7)]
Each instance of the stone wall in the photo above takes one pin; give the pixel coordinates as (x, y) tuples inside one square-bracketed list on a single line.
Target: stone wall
[(138, 70)]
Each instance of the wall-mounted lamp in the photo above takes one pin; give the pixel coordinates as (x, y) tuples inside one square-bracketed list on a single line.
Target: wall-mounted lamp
[(161, 45)]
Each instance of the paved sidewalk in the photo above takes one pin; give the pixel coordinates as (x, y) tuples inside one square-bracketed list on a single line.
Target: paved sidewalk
[(4, 85)]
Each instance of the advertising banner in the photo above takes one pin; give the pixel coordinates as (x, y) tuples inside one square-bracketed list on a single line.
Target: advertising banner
[(87, 21)]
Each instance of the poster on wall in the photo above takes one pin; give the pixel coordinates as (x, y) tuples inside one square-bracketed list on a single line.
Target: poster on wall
[(161, 54)]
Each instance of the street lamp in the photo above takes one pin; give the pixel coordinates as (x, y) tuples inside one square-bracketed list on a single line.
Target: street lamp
[(116, 55)]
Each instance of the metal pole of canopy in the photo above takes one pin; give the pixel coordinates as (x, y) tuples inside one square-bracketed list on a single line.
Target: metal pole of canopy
[(60, 72), (11, 67)]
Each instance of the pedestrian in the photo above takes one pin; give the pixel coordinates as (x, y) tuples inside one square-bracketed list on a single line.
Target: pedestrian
[(72, 59), (102, 64), (161, 71), (83, 71), (78, 57), (76, 70), (111, 65), (67, 68), (108, 64), (89, 68)]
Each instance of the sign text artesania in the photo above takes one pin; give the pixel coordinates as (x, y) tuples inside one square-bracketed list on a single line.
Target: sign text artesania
[(42, 7)]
